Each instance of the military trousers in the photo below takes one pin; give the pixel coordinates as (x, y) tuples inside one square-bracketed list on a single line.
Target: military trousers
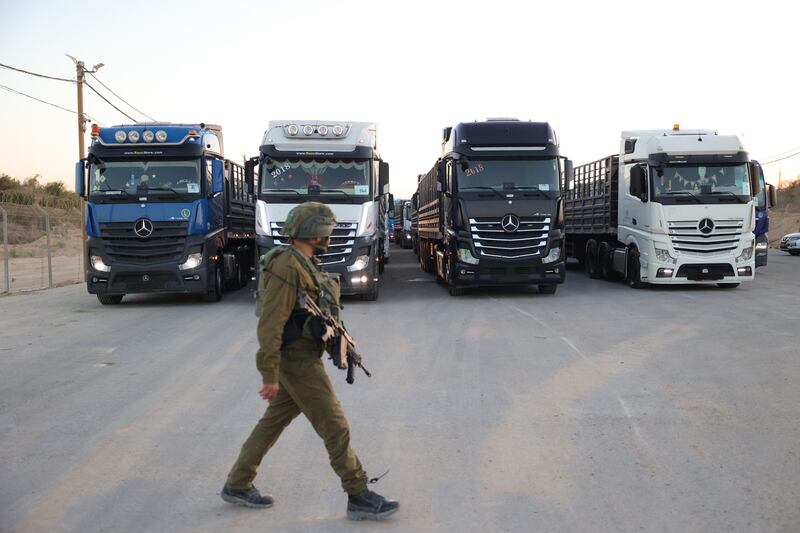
[(304, 387)]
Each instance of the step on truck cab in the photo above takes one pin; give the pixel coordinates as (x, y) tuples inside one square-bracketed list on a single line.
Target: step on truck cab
[(674, 206), (165, 212), (336, 163), (767, 197), (490, 210)]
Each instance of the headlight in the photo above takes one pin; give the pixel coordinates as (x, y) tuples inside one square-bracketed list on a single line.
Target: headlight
[(552, 257), (99, 265), (338, 130), (161, 136), (292, 129), (148, 136), (193, 261), (662, 254), (322, 130), (120, 136), (746, 254), (308, 129), (360, 263), (465, 255), (133, 136), (761, 246)]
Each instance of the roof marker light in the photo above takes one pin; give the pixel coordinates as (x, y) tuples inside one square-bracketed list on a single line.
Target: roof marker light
[(292, 129), (95, 130), (322, 130), (676, 127), (133, 136), (120, 136), (161, 136), (148, 136), (308, 129), (192, 132)]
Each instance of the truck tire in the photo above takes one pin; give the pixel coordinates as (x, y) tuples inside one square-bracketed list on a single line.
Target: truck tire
[(382, 264), (372, 294), (727, 285), (548, 289), (110, 299), (604, 261), (591, 260), (634, 275), (236, 280), (214, 293)]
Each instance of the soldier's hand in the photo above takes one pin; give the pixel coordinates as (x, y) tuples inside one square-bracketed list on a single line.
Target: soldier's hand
[(268, 391)]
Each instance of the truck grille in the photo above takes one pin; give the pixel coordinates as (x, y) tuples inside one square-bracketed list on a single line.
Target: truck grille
[(166, 243), (688, 239), (491, 240), (343, 239)]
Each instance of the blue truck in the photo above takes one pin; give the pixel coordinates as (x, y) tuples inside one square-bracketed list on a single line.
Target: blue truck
[(165, 212), (766, 198)]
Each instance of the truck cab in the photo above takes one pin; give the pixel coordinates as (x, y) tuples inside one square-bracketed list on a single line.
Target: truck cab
[(685, 209), (336, 163), (166, 212)]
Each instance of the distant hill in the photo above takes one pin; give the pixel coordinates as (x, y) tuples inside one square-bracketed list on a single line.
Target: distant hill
[(30, 191)]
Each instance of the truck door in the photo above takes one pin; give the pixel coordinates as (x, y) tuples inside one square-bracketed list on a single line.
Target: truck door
[(635, 213)]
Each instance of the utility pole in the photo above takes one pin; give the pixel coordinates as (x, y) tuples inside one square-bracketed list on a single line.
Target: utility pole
[(80, 74)]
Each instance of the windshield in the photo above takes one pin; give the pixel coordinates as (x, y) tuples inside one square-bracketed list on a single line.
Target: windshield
[(330, 176), (508, 174), (701, 183), (154, 178)]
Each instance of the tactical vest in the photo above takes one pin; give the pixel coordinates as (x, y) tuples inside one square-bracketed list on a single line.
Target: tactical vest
[(325, 293)]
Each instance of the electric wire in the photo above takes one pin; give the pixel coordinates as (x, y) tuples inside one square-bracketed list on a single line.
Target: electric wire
[(9, 89), (9, 67), (106, 100), (121, 98)]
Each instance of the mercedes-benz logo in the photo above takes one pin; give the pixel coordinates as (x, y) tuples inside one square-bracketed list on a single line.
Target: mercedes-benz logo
[(510, 223), (143, 228), (706, 226)]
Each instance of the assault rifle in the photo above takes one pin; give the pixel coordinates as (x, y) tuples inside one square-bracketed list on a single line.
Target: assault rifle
[(343, 346)]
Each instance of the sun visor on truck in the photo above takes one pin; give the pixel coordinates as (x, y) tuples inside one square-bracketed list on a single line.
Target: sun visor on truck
[(696, 159)]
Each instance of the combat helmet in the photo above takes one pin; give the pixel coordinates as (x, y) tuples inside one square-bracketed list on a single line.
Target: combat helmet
[(309, 220)]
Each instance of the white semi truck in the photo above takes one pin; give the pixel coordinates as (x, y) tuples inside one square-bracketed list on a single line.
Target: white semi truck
[(337, 163), (675, 206)]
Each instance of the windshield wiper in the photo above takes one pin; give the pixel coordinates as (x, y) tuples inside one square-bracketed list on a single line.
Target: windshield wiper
[(687, 193), (162, 189), (339, 191), (532, 188), (730, 193), (283, 190), (108, 189), (498, 193)]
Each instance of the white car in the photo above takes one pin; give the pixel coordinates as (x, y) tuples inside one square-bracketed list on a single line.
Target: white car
[(791, 243)]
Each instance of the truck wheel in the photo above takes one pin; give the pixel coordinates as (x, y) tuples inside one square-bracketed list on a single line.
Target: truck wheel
[(372, 294), (548, 289), (604, 261), (236, 281), (727, 285), (382, 264), (214, 293), (591, 260), (244, 271), (634, 270), (110, 299)]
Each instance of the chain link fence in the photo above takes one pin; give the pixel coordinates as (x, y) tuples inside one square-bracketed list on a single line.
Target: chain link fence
[(41, 243)]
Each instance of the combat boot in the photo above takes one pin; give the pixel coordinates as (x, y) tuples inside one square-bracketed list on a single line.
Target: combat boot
[(370, 505), (249, 497)]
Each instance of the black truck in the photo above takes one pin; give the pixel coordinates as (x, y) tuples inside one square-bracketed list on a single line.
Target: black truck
[(490, 209)]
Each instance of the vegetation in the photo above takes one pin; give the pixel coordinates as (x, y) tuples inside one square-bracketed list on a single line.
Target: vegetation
[(31, 191)]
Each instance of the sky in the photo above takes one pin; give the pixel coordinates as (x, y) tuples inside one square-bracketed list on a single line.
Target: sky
[(592, 69)]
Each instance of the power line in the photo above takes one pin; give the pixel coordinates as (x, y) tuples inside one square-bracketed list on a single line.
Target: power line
[(121, 98), (781, 158), (9, 89), (9, 67), (108, 102)]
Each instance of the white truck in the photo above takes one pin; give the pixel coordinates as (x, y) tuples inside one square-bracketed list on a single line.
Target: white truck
[(675, 206), (337, 163)]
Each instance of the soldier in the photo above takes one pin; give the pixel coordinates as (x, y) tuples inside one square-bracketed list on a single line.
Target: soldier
[(289, 360)]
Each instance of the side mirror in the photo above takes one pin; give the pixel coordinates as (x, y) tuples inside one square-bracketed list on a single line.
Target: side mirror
[(755, 181), (383, 178), (217, 177), (80, 178), (772, 196), (638, 186), (249, 173), (568, 174)]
